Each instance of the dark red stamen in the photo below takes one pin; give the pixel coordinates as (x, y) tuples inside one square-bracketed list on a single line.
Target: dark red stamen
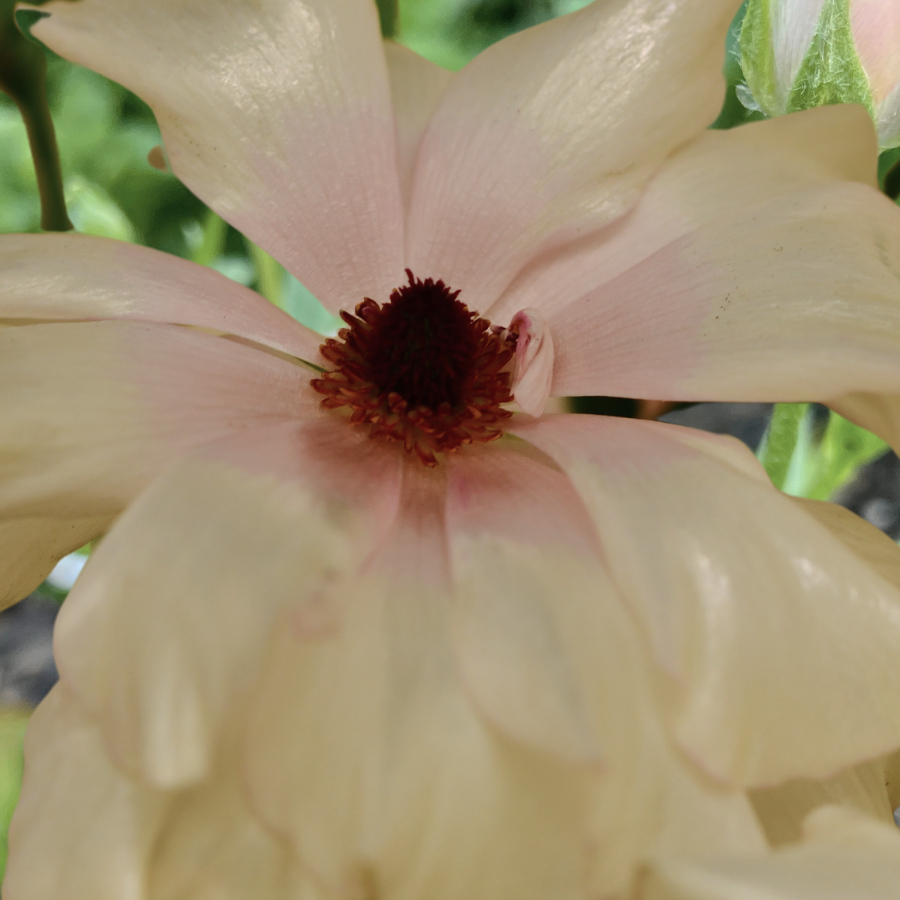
[(422, 369)]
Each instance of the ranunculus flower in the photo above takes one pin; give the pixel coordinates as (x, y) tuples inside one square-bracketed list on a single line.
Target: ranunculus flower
[(408, 645), (801, 53)]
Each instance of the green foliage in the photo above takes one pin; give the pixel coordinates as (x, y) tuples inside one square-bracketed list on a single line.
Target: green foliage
[(812, 452), (451, 32), (12, 730), (831, 71)]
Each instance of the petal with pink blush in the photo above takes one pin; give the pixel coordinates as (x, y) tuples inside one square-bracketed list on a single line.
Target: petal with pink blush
[(75, 276), (81, 830), (365, 752), (793, 299), (277, 114), (31, 547), (716, 173), (667, 503), (93, 411), (533, 372), (554, 131), (416, 88), (134, 638)]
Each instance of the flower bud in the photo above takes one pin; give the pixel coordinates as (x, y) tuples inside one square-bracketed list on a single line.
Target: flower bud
[(801, 53)]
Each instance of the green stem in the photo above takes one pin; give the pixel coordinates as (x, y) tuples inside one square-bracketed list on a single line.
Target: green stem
[(269, 275), (780, 441), (215, 230), (387, 14), (23, 77)]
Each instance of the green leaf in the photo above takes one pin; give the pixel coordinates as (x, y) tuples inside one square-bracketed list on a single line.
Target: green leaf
[(831, 71)]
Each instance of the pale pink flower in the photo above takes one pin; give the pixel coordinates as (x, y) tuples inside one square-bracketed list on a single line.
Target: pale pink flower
[(303, 663)]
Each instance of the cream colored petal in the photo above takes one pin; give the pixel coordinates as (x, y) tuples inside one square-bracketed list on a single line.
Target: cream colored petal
[(92, 411), (368, 756), (782, 810), (781, 642), (553, 132), (81, 830), (864, 539), (76, 276), (212, 847), (879, 413), (31, 547), (794, 299), (277, 114), (162, 644), (715, 174), (846, 856), (416, 88), (550, 656)]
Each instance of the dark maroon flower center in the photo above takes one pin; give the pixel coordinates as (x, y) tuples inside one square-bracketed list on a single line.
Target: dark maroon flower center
[(422, 369)]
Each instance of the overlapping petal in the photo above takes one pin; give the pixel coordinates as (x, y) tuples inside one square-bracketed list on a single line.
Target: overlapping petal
[(81, 829), (114, 837), (717, 173), (277, 114), (845, 855), (92, 411), (416, 88), (668, 503), (783, 809), (793, 299), (552, 133), (367, 754), (30, 548), (549, 655), (163, 656), (67, 277), (212, 847)]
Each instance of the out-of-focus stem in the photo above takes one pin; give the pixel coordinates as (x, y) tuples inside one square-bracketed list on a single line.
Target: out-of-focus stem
[(23, 77), (387, 13)]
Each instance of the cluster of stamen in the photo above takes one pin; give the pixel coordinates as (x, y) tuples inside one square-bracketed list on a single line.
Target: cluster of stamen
[(422, 370)]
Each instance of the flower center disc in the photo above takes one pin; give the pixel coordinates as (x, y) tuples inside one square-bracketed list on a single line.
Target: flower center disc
[(422, 369)]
